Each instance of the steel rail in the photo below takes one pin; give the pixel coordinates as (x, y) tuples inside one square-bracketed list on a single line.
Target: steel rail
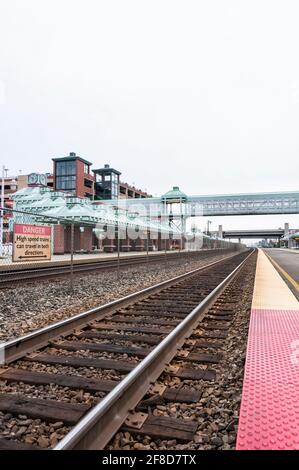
[(24, 275), (17, 348), (19, 274), (96, 429)]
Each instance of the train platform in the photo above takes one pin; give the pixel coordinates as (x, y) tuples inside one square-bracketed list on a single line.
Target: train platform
[(269, 415)]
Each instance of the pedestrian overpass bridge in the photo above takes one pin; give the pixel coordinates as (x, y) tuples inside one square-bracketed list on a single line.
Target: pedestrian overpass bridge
[(276, 233), (219, 205), (283, 233), (248, 204)]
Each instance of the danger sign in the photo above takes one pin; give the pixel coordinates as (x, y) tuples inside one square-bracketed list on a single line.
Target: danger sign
[(31, 242)]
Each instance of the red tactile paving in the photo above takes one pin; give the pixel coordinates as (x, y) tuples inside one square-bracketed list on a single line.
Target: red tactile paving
[(269, 415)]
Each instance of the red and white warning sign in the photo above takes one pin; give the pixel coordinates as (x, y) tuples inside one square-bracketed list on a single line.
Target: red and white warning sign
[(31, 242)]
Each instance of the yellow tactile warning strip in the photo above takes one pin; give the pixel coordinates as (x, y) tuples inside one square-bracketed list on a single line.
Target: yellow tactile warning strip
[(270, 290)]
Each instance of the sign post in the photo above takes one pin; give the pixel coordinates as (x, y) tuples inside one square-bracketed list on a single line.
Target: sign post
[(31, 242)]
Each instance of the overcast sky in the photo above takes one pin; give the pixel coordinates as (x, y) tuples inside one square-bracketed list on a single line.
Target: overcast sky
[(200, 94)]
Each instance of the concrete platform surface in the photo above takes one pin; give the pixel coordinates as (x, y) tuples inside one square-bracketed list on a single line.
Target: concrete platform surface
[(270, 291)]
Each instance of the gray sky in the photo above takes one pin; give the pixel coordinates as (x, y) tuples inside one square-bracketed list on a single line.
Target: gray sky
[(200, 94)]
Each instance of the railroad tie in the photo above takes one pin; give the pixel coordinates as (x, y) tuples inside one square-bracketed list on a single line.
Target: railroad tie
[(170, 394), (73, 361), (161, 427), (9, 444), (148, 339), (70, 381), (140, 329), (193, 374), (204, 358), (47, 410), (203, 343), (101, 347)]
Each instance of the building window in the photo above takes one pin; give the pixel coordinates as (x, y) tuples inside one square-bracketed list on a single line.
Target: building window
[(114, 191), (65, 175), (66, 182), (107, 185), (88, 183), (86, 169), (66, 168)]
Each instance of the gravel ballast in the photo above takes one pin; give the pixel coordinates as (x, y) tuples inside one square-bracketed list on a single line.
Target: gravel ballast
[(27, 307)]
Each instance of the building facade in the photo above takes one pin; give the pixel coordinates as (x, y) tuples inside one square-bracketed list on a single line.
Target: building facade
[(127, 191), (10, 187), (23, 180), (72, 174)]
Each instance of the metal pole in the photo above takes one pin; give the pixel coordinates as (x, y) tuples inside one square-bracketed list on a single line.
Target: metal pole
[(179, 252), (147, 258), (2, 212), (182, 224), (72, 257), (165, 251), (118, 251)]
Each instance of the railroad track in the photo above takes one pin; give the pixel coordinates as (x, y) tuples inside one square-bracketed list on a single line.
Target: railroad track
[(72, 385), (32, 272)]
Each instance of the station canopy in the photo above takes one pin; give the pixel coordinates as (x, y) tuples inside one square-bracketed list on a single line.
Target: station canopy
[(43, 205)]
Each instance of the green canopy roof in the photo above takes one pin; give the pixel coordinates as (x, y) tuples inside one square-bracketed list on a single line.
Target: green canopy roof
[(44, 205), (295, 235), (175, 194)]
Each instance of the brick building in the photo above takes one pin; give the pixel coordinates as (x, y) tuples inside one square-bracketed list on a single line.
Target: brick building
[(72, 174), (127, 191), (109, 186), (10, 187), (83, 239)]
